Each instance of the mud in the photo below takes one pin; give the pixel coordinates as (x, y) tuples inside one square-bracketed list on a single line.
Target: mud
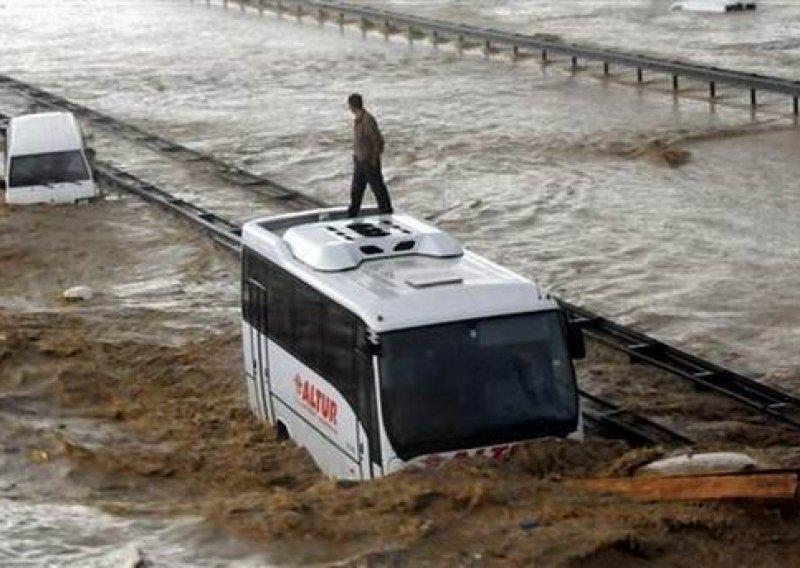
[(658, 151), (141, 412), (184, 443)]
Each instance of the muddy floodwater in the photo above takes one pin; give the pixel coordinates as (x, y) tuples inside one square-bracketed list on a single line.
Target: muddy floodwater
[(561, 177), (668, 213)]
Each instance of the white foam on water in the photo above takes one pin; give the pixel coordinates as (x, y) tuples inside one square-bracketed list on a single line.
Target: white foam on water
[(76, 536)]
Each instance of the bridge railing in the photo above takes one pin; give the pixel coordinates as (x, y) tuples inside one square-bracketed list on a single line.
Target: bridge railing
[(467, 36)]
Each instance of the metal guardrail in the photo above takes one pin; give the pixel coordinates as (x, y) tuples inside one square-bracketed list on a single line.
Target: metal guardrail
[(465, 36)]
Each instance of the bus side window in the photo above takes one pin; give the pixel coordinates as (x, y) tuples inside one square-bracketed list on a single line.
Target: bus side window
[(338, 335), (308, 328), (254, 310), (247, 312), (280, 293), (247, 296)]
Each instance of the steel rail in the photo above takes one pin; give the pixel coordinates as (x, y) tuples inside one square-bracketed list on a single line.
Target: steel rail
[(490, 38), (221, 230), (611, 421), (706, 375)]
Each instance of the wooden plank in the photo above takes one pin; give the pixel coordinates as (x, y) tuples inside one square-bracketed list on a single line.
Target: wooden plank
[(751, 486)]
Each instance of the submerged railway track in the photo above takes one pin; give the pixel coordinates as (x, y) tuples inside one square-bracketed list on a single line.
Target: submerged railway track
[(602, 415)]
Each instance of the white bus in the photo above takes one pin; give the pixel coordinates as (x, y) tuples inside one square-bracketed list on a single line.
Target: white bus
[(379, 342), (46, 160)]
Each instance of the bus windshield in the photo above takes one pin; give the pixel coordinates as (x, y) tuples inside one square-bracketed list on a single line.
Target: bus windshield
[(43, 169), (477, 383)]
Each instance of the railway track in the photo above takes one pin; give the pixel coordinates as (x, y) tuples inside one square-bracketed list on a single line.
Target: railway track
[(706, 375), (602, 414), (520, 45)]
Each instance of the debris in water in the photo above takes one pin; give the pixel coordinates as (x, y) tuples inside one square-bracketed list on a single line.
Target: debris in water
[(427, 527), (136, 558), (39, 456), (693, 464), (658, 151), (77, 293)]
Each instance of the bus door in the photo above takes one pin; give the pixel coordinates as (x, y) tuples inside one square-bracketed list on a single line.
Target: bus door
[(259, 371), (370, 442)]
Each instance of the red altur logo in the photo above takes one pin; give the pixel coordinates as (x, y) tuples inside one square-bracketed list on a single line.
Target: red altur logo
[(316, 400)]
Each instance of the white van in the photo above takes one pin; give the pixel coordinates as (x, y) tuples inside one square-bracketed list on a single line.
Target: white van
[(46, 160)]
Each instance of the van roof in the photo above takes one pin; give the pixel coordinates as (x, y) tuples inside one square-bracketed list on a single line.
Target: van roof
[(43, 133), (436, 281)]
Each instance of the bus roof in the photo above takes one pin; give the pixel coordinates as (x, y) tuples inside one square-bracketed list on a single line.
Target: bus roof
[(393, 271), (43, 133)]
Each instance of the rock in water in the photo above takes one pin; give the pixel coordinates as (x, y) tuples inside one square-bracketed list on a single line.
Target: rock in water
[(77, 293)]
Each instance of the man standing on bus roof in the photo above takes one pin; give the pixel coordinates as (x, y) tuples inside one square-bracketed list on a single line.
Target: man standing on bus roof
[(367, 149)]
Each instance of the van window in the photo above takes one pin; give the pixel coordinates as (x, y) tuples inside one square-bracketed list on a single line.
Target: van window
[(42, 169)]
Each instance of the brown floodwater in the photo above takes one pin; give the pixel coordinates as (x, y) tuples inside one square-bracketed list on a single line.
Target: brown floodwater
[(669, 214)]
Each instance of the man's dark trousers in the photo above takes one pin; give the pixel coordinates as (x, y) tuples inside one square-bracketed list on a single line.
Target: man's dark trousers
[(365, 173)]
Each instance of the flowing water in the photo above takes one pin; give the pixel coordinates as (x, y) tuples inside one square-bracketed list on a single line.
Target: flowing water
[(560, 176), (45, 534)]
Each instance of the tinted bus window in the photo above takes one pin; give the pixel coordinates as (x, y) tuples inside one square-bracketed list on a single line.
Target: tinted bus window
[(43, 169), (254, 274), (281, 287), (469, 383), (308, 328), (318, 332), (247, 299), (339, 349)]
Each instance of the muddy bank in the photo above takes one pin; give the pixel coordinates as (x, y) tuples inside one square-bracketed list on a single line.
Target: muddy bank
[(179, 440)]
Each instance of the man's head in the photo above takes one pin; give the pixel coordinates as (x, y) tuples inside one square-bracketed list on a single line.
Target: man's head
[(356, 103)]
